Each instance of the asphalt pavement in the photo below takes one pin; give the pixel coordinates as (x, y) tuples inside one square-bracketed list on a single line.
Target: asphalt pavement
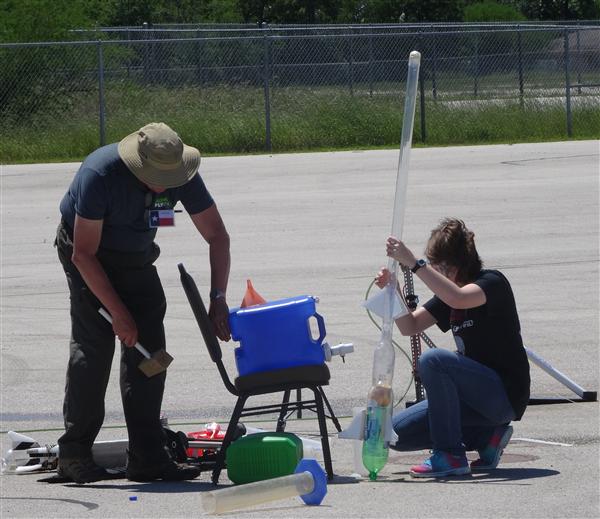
[(316, 224)]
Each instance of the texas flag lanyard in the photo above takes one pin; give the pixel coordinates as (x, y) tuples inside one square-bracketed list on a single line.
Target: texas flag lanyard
[(161, 213)]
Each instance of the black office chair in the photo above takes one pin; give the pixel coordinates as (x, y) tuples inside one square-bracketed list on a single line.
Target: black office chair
[(243, 387)]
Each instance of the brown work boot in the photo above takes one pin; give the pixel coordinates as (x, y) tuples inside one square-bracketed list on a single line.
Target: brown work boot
[(167, 471), (81, 470)]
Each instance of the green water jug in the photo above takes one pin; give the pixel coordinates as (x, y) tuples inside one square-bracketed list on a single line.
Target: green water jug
[(263, 456)]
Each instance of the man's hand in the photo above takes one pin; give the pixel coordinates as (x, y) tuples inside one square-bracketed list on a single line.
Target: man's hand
[(219, 316), (211, 227), (125, 328)]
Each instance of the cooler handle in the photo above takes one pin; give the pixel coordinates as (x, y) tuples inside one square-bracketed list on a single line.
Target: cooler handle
[(321, 324)]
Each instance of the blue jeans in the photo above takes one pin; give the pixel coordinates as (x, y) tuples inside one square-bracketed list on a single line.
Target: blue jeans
[(465, 402)]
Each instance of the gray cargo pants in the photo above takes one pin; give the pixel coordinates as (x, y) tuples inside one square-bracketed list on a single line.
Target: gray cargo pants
[(92, 346)]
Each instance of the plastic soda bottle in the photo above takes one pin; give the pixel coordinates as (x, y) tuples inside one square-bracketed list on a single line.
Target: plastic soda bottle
[(375, 448)]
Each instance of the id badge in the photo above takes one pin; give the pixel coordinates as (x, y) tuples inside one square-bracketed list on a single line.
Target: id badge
[(161, 218)]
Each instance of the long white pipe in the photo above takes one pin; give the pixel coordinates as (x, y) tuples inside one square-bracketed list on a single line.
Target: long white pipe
[(414, 62), (553, 372)]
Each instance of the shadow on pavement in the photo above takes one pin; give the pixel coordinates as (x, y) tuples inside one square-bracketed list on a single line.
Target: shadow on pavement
[(155, 487), (86, 504), (493, 476)]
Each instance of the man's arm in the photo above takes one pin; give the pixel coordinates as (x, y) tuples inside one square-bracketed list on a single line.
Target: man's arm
[(211, 227), (86, 239)]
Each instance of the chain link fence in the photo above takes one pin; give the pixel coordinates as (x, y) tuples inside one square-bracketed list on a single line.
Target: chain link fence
[(189, 30), (282, 90)]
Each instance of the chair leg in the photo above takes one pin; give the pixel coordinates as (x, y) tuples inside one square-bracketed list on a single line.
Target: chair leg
[(283, 412), (331, 413), (299, 399), (231, 429), (324, 435)]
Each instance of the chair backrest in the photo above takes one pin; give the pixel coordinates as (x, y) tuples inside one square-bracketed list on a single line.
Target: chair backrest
[(210, 339)]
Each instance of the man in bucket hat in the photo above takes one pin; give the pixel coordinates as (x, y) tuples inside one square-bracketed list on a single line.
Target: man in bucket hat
[(117, 200)]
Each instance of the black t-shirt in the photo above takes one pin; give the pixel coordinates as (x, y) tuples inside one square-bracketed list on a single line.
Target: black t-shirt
[(105, 189), (490, 334)]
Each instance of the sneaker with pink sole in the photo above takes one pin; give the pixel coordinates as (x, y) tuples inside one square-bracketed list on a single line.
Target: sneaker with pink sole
[(441, 464), (489, 457)]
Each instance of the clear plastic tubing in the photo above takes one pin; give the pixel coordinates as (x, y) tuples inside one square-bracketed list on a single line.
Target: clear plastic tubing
[(242, 496), (408, 121), (412, 80)]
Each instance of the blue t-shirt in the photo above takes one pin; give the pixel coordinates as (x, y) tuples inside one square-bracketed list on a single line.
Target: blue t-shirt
[(105, 189)]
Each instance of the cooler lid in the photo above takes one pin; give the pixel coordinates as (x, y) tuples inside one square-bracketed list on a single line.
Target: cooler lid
[(274, 305)]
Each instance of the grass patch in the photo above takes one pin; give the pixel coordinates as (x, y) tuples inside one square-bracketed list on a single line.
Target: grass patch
[(224, 120)]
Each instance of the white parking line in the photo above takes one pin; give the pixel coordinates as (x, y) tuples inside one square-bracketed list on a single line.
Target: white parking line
[(532, 440)]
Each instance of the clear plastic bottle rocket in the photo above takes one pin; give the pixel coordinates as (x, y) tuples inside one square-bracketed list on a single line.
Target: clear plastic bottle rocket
[(379, 407), (378, 426)]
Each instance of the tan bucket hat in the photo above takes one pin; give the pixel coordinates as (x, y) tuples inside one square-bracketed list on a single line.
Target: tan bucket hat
[(156, 155)]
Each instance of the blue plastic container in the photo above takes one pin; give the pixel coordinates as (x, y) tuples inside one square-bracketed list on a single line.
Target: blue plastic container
[(276, 335)]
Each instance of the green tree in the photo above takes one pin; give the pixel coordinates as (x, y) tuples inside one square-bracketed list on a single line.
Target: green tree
[(130, 12), (53, 20), (489, 11), (120, 13), (289, 11), (559, 9), (136, 12), (41, 20), (398, 11), (221, 11)]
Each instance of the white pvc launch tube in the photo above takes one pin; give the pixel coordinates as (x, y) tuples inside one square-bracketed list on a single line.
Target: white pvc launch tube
[(380, 401), (553, 372), (414, 62)]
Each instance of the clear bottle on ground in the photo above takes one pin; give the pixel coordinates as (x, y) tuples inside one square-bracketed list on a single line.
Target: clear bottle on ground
[(375, 447)]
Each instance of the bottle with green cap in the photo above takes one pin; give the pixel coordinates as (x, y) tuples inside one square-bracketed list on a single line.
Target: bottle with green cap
[(375, 448)]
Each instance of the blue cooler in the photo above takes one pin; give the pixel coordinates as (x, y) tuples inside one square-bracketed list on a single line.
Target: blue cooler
[(276, 335)]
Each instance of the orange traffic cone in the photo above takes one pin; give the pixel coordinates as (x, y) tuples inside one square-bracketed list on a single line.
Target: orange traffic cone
[(251, 297)]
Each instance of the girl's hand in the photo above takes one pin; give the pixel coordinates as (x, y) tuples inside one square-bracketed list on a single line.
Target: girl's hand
[(382, 278), (401, 253)]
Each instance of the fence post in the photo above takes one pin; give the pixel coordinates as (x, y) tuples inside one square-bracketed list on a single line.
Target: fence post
[(420, 46), (371, 64), (146, 52), (434, 71), (568, 86), (422, 105), (578, 62), (266, 81), (476, 66), (520, 65), (101, 108), (351, 62), (199, 55)]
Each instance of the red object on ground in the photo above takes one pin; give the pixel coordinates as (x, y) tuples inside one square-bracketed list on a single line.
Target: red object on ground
[(212, 431)]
